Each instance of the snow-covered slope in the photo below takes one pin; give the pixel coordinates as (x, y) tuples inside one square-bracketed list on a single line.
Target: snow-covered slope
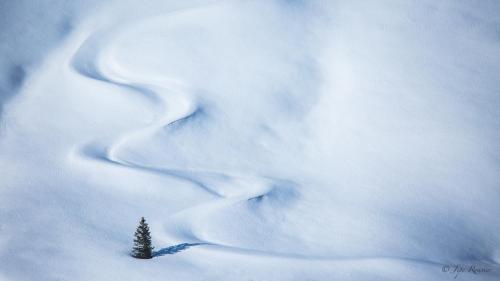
[(287, 140)]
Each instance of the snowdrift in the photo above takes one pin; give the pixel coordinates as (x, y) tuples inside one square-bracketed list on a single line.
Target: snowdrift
[(262, 140)]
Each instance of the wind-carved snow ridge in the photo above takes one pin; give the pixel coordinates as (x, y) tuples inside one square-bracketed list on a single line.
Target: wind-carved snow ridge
[(157, 95), (172, 103), (261, 140)]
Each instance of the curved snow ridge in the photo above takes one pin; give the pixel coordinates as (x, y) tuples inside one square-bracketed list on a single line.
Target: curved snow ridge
[(297, 256), (97, 152), (86, 62), (102, 67), (172, 104)]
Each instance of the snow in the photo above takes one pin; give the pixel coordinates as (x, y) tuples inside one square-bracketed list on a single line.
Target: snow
[(285, 140)]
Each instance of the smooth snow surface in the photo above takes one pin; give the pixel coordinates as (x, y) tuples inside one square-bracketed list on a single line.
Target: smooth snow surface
[(280, 139)]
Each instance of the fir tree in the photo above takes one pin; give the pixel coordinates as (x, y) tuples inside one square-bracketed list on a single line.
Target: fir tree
[(143, 248)]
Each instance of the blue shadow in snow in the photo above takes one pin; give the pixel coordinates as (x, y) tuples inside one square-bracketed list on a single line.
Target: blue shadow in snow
[(174, 249)]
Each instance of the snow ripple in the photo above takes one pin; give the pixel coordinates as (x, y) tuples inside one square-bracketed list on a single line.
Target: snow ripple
[(173, 104)]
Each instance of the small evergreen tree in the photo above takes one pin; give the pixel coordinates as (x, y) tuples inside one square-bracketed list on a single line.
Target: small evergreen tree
[(143, 248)]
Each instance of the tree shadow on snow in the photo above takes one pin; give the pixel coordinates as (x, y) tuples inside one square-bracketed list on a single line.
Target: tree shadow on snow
[(174, 249)]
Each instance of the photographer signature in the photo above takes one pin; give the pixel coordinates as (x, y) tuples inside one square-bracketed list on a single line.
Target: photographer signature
[(458, 269)]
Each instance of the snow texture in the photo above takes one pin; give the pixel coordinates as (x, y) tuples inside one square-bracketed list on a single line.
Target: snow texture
[(263, 140)]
